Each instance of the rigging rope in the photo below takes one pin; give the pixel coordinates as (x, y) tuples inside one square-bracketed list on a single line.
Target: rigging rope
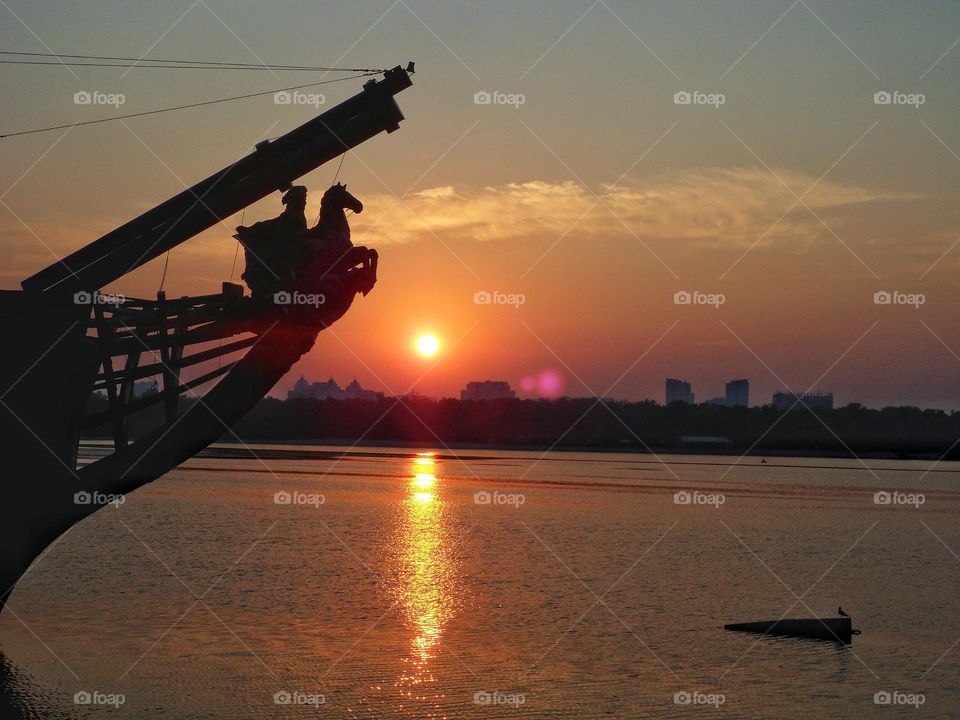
[(237, 251), (140, 62), (163, 276), (182, 107), (147, 65), (342, 156)]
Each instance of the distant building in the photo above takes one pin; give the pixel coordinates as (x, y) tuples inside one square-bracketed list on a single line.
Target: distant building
[(330, 390), (353, 391), (678, 391), (814, 401), (738, 393), (487, 390)]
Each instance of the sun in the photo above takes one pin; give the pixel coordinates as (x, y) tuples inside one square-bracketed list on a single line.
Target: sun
[(427, 345)]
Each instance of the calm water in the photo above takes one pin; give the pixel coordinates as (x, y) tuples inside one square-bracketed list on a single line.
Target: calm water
[(581, 590)]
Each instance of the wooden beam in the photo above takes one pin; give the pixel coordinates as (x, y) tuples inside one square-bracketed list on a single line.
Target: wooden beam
[(145, 401)]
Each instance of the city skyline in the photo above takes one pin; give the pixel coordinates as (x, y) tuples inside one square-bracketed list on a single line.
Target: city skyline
[(495, 389)]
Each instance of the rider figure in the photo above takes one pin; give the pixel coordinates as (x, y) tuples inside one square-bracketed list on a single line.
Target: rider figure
[(269, 247)]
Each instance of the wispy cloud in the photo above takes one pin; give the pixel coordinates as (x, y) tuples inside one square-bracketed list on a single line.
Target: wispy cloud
[(719, 207), (724, 208)]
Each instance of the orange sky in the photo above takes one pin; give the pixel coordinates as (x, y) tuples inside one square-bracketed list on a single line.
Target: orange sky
[(598, 199)]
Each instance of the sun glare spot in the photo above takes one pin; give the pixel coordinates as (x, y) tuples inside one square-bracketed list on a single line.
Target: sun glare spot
[(427, 345), (424, 480)]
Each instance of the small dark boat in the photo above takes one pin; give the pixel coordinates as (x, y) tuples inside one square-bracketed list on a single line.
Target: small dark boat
[(839, 629)]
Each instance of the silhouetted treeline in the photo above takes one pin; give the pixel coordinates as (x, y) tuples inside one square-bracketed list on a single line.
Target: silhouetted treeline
[(587, 423)]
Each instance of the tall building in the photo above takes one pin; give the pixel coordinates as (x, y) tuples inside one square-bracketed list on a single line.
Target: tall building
[(353, 391), (330, 390), (487, 390), (738, 393), (678, 391), (786, 400)]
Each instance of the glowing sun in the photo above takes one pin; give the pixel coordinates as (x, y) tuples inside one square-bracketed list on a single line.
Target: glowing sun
[(427, 345)]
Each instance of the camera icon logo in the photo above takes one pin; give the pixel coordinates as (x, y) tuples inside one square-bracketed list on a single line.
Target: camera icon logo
[(482, 497), (282, 98), (882, 497), (882, 297), (682, 97), (882, 97), (483, 297), (82, 697), (282, 697), (82, 98), (682, 497), (282, 497), (682, 698), (682, 298), (482, 97), (82, 498), (882, 697), (82, 297), (282, 298)]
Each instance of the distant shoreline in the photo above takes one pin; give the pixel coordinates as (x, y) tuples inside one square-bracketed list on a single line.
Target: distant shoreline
[(654, 451)]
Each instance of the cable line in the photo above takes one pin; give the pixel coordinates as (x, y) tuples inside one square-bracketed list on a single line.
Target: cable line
[(183, 107), (140, 62)]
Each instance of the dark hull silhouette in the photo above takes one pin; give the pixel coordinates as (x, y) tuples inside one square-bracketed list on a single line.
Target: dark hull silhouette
[(838, 629), (63, 343)]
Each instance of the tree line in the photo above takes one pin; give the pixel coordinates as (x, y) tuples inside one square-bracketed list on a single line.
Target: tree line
[(587, 423)]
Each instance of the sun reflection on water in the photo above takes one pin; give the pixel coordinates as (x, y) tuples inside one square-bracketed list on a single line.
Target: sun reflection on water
[(427, 580)]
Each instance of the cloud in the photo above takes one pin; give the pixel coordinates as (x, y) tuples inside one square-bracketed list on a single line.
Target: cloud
[(730, 207), (717, 207)]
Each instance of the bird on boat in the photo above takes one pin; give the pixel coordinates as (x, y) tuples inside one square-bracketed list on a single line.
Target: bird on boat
[(841, 613)]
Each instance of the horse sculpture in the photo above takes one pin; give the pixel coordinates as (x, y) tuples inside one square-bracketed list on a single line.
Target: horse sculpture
[(283, 257)]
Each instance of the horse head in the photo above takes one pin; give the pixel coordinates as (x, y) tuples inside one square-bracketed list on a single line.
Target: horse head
[(338, 197)]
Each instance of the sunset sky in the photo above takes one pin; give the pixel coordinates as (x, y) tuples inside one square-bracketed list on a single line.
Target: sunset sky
[(597, 199)]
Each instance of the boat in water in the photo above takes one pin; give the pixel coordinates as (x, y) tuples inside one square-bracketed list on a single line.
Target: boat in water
[(838, 629)]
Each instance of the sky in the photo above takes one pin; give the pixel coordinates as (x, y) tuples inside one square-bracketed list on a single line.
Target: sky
[(779, 201)]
